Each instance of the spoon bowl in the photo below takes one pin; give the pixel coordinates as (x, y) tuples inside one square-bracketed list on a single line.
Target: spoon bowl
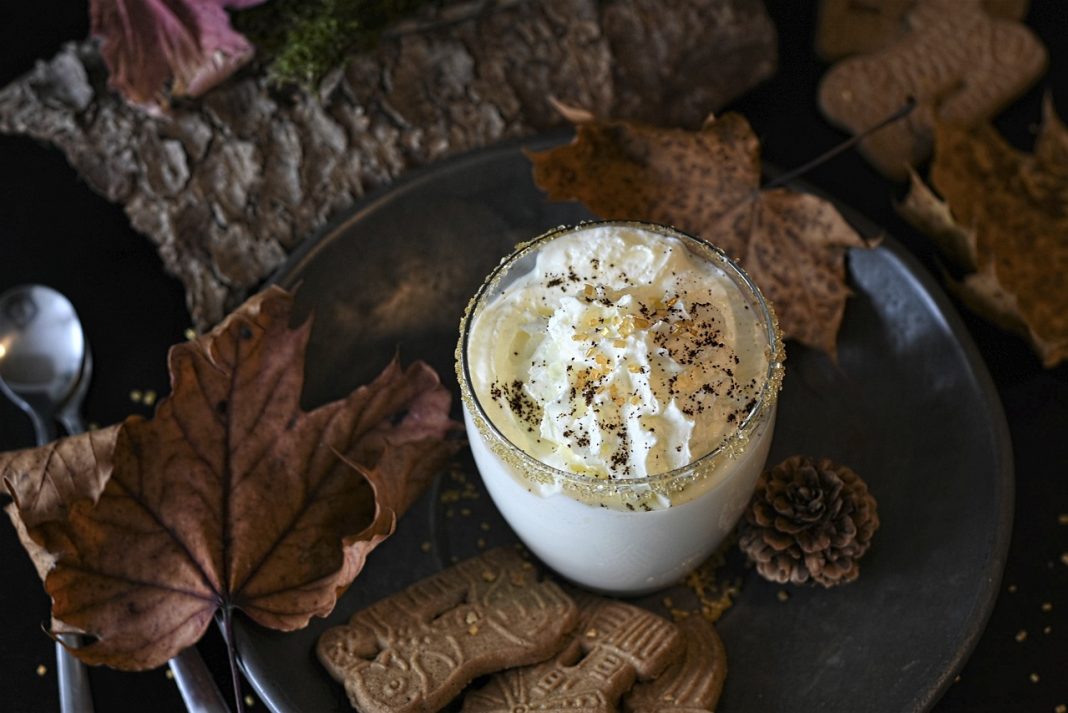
[(43, 355)]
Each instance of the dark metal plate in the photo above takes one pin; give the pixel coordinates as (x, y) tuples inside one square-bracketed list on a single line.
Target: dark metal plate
[(909, 405)]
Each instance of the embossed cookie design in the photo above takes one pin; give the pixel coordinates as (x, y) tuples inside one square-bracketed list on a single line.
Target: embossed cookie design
[(417, 649), (613, 645), (693, 684)]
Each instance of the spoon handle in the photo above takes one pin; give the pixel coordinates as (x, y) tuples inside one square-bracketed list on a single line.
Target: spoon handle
[(43, 428), (73, 676), (74, 693), (72, 421), (195, 683)]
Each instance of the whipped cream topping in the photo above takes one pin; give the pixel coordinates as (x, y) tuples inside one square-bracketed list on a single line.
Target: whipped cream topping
[(620, 354)]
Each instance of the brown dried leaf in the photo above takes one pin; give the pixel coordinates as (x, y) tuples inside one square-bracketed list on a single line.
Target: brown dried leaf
[(1005, 222), (706, 182), (231, 496)]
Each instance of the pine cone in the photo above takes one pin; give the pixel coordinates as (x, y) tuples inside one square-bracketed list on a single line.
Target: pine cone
[(809, 521)]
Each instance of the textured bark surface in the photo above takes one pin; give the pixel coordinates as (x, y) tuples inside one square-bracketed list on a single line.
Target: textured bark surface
[(228, 185)]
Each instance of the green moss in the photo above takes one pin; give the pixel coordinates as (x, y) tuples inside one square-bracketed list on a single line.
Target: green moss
[(301, 40)]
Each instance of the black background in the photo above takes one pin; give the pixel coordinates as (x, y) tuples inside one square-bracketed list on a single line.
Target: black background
[(54, 230)]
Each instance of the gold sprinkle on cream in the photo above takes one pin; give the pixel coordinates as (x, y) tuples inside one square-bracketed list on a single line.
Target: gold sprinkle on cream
[(472, 630), (471, 618), (591, 633)]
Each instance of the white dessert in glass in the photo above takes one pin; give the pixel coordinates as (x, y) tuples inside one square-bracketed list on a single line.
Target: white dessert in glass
[(619, 382)]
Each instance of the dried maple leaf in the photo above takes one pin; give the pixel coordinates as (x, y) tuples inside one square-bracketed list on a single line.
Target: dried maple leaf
[(1004, 222), (155, 49), (230, 497), (707, 183)]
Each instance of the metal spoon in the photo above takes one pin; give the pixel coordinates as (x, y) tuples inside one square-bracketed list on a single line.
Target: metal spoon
[(45, 368), (43, 359)]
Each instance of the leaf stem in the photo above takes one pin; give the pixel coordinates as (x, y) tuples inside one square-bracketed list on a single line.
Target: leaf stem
[(231, 652), (785, 178)]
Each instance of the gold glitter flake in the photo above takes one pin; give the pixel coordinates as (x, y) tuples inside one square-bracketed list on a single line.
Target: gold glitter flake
[(782, 595), (1060, 708), (714, 596), (190, 334), (41, 669), (1062, 519), (249, 700), (1033, 678), (169, 674), (1047, 606), (1021, 636), (425, 547)]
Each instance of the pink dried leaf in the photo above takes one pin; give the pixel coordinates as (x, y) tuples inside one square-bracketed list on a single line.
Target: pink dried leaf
[(157, 49)]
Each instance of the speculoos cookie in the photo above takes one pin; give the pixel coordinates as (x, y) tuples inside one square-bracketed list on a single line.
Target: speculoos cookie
[(613, 645), (417, 649)]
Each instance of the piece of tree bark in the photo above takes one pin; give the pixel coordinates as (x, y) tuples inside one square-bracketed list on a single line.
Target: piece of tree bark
[(226, 186)]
